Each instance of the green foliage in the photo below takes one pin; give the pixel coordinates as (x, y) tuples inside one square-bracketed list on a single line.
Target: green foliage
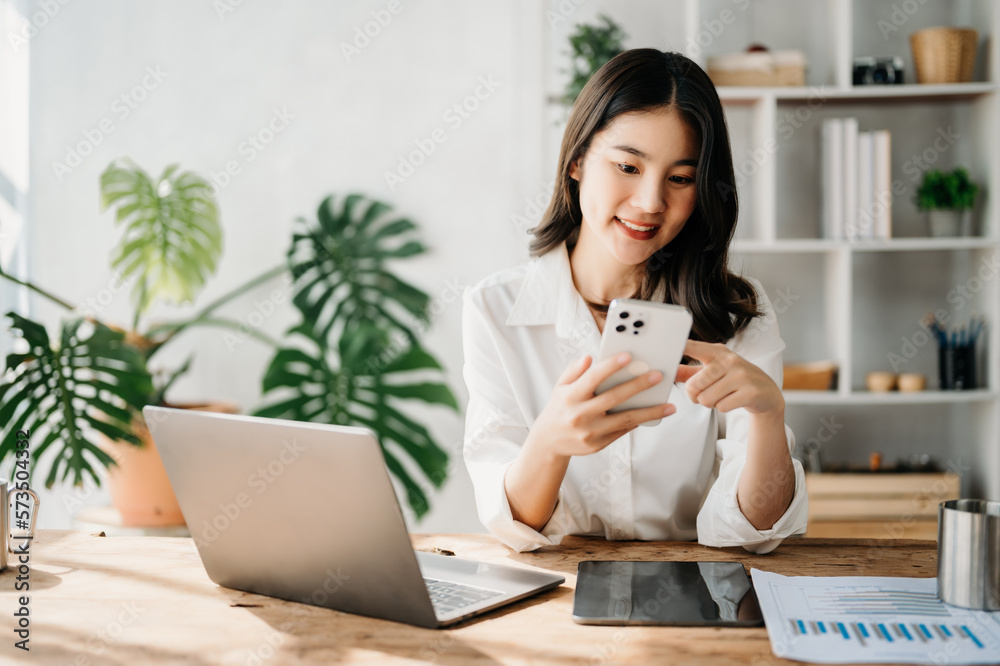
[(946, 190), (93, 379), (172, 239), (590, 47), (356, 360), (63, 393), (339, 266)]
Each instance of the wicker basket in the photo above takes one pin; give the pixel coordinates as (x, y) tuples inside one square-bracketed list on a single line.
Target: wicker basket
[(944, 55)]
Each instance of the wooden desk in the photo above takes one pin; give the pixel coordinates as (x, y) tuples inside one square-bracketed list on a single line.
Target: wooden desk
[(141, 600)]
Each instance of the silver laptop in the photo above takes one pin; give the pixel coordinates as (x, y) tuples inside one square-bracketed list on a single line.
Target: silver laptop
[(306, 512)]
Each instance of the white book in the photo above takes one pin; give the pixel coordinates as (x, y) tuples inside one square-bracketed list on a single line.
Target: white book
[(865, 217), (883, 184), (832, 177), (850, 178)]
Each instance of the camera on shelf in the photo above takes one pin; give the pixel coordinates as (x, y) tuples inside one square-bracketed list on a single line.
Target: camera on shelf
[(870, 71)]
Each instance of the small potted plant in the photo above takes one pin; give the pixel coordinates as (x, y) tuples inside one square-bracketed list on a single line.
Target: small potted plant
[(590, 47), (947, 197), (81, 390)]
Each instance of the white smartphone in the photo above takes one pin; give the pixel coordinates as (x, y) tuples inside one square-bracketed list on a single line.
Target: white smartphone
[(655, 334)]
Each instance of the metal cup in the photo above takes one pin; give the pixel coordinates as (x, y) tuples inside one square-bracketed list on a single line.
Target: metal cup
[(9, 495), (969, 553)]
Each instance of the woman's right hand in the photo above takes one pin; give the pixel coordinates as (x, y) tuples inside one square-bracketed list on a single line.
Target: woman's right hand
[(575, 422)]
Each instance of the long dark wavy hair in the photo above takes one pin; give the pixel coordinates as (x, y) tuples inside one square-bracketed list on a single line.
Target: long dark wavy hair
[(695, 263)]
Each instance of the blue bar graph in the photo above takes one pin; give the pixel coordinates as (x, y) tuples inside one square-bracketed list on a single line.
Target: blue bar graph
[(972, 636), (891, 632), (854, 620)]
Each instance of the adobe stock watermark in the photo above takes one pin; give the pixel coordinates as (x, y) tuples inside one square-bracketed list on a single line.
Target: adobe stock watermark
[(331, 584), (712, 28), (224, 7), (958, 296), (455, 116), (914, 167), (47, 10), (899, 15), (782, 301), (267, 649), (917, 164), (95, 305), (258, 481), (450, 293), (365, 34), (562, 12), (747, 165), (102, 639), (808, 451), (534, 208), (121, 108), (250, 148), (470, 443), (927, 498), (262, 310)]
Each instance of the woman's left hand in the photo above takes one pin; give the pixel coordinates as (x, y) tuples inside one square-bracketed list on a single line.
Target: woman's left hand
[(726, 381)]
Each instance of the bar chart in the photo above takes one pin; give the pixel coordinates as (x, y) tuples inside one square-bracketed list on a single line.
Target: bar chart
[(858, 620)]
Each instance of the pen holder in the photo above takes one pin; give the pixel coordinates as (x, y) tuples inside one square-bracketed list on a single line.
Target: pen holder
[(957, 367)]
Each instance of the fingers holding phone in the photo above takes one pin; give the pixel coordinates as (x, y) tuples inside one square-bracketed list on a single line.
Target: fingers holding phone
[(576, 421), (654, 334)]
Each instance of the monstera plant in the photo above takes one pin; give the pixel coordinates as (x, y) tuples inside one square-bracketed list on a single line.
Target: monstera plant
[(355, 359), (351, 360), (93, 377)]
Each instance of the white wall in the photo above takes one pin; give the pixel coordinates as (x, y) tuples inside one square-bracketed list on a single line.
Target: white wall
[(221, 78), (14, 165)]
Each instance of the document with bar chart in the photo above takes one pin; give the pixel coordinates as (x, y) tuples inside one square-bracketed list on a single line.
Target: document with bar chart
[(865, 619)]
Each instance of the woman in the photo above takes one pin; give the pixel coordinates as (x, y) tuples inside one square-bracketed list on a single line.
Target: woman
[(644, 207)]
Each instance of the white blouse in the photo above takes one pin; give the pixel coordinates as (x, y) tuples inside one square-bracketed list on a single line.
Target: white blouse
[(675, 481)]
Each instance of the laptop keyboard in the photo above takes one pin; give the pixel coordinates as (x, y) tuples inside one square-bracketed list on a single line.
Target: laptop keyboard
[(448, 597)]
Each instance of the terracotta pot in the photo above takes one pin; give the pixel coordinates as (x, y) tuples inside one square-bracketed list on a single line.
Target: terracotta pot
[(139, 486)]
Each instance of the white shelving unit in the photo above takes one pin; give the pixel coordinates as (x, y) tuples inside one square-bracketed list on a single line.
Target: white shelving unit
[(853, 303)]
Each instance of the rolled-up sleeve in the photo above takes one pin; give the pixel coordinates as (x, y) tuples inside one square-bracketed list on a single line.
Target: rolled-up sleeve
[(720, 521), (494, 431)]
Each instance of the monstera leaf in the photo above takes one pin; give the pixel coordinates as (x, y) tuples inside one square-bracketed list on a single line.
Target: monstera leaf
[(339, 266), (347, 393), (63, 394), (172, 239), (359, 361)]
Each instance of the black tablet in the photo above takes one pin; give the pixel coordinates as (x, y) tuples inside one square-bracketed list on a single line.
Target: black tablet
[(693, 594)]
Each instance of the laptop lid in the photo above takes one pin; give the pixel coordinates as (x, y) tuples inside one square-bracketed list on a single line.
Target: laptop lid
[(299, 511), (307, 512)]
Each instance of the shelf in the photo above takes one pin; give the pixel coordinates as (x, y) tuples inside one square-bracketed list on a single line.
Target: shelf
[(890, 398), (892, 245), (911, 244), (860, 93), (788, 245)]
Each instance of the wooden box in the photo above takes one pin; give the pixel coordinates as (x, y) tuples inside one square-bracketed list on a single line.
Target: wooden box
[(879, 505)]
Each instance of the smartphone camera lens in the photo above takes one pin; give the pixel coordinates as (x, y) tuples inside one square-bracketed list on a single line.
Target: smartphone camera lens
[(623, 315), (638, 324), (620, 328)]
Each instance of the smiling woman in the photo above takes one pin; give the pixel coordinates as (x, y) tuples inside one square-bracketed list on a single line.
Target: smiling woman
[(644, 207)]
